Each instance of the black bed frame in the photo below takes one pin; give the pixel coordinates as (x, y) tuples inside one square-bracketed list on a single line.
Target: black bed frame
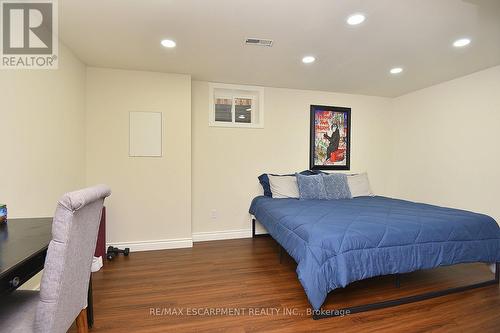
[(321, 314)]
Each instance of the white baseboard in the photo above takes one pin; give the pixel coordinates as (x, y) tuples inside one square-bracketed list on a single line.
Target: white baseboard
[(162, 244), (165, 244), (220, 235)]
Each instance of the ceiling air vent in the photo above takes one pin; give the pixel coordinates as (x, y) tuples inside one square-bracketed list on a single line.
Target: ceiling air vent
[(259, 42)]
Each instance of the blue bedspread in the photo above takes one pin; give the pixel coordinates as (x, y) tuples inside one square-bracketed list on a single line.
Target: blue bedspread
[(336, 242)]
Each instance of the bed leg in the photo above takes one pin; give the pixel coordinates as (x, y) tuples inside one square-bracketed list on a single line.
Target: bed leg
[(253, 228), (397, 280), (497, 272), (281, 253)]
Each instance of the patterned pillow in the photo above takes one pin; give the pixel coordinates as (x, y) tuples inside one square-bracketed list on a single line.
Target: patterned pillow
[(311, 187), (336, 186)]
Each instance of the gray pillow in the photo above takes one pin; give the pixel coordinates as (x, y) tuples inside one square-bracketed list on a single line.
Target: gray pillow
[(283, 186), (359, 185), (311, 187), (336, 186)]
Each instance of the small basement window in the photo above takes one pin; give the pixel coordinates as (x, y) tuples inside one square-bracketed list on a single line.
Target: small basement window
[(236, 106)]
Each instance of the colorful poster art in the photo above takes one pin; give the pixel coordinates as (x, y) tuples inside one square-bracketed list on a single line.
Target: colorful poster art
[(330, 138)]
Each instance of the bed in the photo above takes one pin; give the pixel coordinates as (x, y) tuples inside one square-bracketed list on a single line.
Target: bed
[(336, 242)]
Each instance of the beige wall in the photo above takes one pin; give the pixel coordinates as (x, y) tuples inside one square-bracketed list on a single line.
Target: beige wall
[(227, 161), (151, 197), (447, 144), (42, 129)]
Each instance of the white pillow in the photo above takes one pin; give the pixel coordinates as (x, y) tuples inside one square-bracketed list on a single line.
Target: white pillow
[(359, 185), (284, 186)]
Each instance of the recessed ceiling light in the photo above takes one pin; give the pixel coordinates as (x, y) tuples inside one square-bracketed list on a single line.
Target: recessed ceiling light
[(241, 116), (168, 43), (461, 42), (396, 70), (308, 59), (356, 19)]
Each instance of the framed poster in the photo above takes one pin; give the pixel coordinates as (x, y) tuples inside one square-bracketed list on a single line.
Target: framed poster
[(330, 138)]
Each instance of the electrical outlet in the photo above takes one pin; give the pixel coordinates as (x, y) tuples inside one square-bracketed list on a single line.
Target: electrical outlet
[(213, 214)]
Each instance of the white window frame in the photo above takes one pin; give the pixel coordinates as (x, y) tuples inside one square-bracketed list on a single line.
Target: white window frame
[(256, 90)]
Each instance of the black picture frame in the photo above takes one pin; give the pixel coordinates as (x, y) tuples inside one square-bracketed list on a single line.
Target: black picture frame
[(342, 141)]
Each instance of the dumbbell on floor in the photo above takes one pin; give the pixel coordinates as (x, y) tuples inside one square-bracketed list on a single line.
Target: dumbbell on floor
[(114, 251)]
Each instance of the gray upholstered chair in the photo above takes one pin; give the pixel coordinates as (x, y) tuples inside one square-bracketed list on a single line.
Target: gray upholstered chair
[(63, 291)]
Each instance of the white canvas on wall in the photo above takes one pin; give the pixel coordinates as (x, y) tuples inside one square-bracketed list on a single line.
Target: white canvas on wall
[(145, 137)]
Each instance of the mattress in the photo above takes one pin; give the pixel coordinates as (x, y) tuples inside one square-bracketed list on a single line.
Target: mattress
[(336, 242)]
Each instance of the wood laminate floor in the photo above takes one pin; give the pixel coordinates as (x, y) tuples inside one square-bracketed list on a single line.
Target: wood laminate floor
[(160, 291)]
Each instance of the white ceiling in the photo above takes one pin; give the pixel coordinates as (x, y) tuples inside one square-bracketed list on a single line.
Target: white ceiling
[(414, 34)]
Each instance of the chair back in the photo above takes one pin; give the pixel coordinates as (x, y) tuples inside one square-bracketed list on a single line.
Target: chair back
[(65, 280)]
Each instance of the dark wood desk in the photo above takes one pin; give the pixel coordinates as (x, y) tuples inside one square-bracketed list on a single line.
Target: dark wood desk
[(23, 247)]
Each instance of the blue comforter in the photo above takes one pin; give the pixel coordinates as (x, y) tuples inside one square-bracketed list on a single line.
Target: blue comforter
[(336, 242)]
